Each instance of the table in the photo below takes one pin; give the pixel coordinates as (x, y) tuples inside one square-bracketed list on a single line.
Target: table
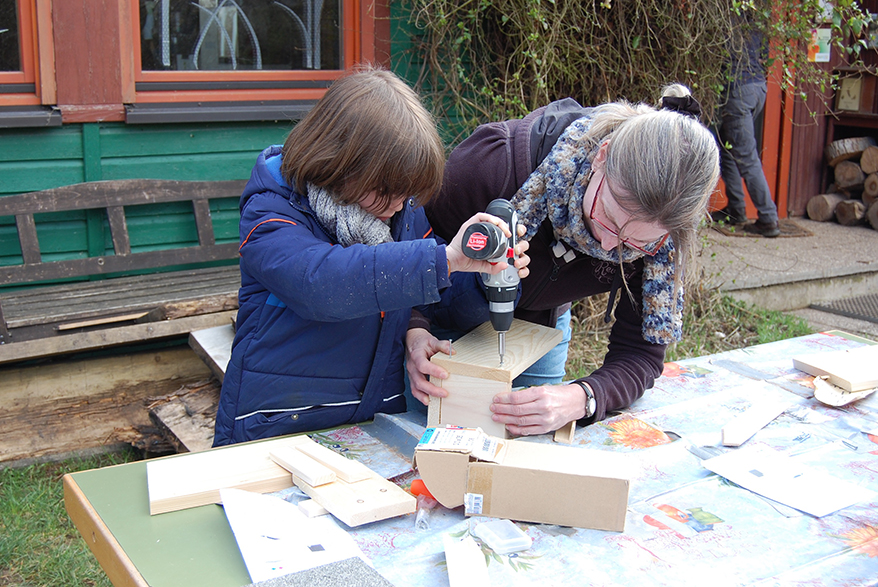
[(685, 525)]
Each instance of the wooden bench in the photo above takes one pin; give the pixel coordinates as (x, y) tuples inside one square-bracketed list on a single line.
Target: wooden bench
[(114, 300)]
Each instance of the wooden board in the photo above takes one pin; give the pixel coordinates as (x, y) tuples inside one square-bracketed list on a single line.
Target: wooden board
[(214, 346), (187, 417), (185, 481), (852, 370), (468, 404), (362, 502), (302, 466), (477, 354), (98, 339), (88, 404), (344, 468)]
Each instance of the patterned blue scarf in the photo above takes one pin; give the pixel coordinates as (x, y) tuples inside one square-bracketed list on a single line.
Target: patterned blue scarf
[(555, 190)]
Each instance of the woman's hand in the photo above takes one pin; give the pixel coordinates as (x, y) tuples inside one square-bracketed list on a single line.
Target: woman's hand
[(537, 410), (420, 345)]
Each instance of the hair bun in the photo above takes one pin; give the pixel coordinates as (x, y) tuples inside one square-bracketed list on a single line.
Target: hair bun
[(683, 104)]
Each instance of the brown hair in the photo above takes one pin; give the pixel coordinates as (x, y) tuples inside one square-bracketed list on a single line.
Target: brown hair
[(369, 133)]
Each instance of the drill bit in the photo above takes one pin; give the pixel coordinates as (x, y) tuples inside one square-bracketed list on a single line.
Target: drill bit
[(501, 340)]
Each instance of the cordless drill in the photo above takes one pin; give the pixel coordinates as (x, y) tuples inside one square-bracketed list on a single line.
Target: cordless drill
[(484, 241)]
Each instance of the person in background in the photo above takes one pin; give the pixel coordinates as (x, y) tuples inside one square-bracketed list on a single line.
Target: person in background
[(611, 197), (742, 103), (334, 254)]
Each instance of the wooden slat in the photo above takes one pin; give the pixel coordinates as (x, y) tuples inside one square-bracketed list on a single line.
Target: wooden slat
[(119, 230), (100, 321), (201, 209), (177, 483), (27, 238), (345, 468), (302, 466), (362, 502), (214, 347), (124, 192), (116, 264), (83, 300), (83, 341)]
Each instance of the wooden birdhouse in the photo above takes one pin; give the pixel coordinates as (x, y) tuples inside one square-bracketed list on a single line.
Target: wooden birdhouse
[(476, 375)]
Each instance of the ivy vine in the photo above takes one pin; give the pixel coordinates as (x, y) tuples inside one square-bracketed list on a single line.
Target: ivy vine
[(487, 60)]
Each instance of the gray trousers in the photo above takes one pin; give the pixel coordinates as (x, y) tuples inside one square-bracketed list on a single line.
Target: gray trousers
[(740, 153)]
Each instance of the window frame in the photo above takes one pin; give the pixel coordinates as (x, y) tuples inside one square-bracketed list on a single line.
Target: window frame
[(157, 87), (36, 50)]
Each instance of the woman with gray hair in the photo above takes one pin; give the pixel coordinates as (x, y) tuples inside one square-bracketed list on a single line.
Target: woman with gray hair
[(611, 198)]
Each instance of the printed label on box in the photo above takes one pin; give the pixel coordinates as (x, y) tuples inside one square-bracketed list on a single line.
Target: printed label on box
[(464, 440), (472, 504)]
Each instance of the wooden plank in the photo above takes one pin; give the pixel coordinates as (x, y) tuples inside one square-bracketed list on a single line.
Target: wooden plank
[(852, 370), (362, 502), (565, 433), (90, 299), (119, 230), (27, 238), (214, 346), (70, 406), (121, 192), (302, 466), (83, 341), (344, 468), (751, 421), (311, 508), (188, 416), (193, 307), (103, 545), (477, 354), (185, 481), (468, 404), (100, 321), (201, 209), (15, 274)]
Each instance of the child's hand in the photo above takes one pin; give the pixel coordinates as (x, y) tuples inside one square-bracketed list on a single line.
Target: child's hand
[(457, 261), (420, 345)]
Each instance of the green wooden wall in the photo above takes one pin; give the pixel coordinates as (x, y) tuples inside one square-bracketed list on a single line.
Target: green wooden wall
[(43, 158)]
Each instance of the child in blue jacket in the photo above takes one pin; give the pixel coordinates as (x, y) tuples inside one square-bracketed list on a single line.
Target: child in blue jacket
[(335, 252)]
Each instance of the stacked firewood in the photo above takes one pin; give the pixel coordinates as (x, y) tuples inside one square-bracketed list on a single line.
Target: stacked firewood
[(852, 198)]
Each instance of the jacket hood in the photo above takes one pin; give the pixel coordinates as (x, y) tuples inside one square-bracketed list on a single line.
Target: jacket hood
[(266, 176)]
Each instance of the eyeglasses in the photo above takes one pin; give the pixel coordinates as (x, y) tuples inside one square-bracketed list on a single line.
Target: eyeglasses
[(647, 248)]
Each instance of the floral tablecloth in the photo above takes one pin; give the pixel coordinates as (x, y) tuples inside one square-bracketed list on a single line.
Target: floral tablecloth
[(685, 525)]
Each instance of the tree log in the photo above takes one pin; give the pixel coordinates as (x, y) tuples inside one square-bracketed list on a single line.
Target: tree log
[(822, 207), (872, 215), (869, 160), (870, 189), (844, 149), (848, 176), (850, 212)]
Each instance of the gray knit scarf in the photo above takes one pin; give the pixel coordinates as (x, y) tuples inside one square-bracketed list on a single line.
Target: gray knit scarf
[(555, 190), (349, 223)]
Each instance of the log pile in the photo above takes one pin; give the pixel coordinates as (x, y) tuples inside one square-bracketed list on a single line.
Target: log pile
[(852, 198)]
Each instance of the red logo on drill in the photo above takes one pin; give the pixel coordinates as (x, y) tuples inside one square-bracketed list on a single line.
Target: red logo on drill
[(477, 241)]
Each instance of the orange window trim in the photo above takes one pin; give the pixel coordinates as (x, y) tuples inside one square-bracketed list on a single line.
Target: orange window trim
[(27, 48), (358, 46)]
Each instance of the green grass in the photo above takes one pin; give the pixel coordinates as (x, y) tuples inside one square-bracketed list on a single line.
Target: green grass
[(39, 546), (712, 322)]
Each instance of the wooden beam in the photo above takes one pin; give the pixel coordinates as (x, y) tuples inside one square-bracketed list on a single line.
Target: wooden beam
[(98, 339), (362, 502), (214, 346), (302, 466)]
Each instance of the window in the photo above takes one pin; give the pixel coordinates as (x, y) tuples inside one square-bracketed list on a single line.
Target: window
[(18, 75), (242, 50)]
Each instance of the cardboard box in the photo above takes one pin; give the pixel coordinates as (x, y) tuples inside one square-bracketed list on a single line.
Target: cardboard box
[(525, 481)]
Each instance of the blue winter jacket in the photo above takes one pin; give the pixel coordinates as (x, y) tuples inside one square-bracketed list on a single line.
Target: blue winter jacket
[(321, 327)]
